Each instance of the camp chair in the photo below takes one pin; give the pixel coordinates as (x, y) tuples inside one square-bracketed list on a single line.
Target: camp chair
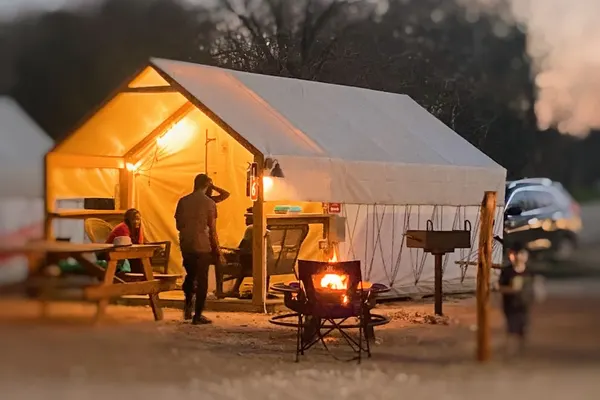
[(330, 309), (97, 230), (285, 242)]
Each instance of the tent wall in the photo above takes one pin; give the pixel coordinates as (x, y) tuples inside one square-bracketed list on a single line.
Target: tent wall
[(123, 123), (77, 183), (167, 171), (375, 235)]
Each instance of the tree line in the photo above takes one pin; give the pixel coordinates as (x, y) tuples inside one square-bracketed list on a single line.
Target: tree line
[(62, 64)]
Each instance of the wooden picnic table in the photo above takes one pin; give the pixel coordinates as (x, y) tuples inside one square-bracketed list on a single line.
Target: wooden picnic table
[(112, 285)]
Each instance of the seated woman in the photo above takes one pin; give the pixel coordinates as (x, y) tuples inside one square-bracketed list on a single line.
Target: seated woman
[(130, 227)]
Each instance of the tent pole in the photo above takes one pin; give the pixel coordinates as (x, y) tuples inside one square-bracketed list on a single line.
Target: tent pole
[(258, 246), (125, 189)]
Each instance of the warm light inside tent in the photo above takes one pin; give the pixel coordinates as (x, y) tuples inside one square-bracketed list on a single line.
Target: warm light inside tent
[(267, 183), (133, 167), (178, 137)]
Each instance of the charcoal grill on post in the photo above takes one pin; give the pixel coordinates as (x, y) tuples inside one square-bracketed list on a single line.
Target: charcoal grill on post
[(439, 243)]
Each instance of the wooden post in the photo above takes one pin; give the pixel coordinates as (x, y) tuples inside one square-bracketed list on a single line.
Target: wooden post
[(484, 265), (438, 275), (258, 245), (125, 198)]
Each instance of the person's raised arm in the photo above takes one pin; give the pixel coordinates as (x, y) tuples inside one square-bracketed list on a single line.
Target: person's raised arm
[(222, 194)]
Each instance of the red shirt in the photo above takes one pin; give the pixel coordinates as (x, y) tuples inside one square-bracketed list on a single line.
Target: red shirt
[(123, 230)]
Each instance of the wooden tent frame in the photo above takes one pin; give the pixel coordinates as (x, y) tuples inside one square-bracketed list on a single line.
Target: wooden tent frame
[(124, 199)]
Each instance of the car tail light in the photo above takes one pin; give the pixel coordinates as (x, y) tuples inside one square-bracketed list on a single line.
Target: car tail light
[(575, 208)]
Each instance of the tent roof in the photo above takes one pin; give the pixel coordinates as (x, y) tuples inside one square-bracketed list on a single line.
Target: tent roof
[(364, 146), (24, 145), (374, 147), (293, 117)]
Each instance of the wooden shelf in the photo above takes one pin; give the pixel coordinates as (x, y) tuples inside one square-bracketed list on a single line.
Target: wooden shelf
[(280, 219), (82, 214)]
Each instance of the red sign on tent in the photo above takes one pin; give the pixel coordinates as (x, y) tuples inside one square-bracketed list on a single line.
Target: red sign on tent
[(334, 208), (252, 182), (254, 189)]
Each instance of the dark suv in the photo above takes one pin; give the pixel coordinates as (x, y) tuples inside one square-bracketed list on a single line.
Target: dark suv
[(542, 215)]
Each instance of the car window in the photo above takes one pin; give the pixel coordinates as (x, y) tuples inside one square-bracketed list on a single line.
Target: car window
[(542, 199), (524, 200)]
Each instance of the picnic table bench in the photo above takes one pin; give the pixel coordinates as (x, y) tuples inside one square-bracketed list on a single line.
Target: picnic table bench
[(111, 285)]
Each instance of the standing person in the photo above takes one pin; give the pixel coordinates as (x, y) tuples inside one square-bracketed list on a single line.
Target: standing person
[(195, 217), (518, 293)]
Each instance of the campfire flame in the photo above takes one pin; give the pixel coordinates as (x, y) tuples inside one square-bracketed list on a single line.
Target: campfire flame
[(334, 257), (334, 281)]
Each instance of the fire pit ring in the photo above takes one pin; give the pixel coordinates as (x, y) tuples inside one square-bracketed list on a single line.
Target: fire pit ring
[(375, 320), (293, 288)]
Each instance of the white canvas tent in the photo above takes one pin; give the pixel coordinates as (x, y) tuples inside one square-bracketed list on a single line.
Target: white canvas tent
[(391, 163), (22, 150)]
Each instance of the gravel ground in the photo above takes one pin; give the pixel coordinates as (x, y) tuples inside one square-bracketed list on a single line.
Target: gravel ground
[(242, 356)]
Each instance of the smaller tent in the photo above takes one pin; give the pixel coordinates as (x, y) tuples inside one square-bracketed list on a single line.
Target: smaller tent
[(24, 145)]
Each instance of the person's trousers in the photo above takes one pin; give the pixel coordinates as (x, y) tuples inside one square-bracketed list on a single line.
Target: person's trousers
[(196, 279), (517, 321)]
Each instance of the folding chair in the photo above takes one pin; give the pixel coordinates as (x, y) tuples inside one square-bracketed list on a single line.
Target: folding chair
[(324, 308)]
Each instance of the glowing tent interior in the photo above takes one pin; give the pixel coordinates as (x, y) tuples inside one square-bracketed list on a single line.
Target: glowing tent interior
[(379, 154)]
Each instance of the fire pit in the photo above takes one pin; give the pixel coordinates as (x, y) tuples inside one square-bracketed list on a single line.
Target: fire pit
[(330, 296)]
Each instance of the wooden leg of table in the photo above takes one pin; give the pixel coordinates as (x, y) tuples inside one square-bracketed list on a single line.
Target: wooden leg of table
[(109, 275), (154, 300)]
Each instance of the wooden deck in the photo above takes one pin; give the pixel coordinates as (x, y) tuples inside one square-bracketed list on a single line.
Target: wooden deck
[(174, 299)]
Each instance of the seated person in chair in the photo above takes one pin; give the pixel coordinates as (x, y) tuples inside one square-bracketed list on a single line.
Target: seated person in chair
[(131, 227), (245, 254)]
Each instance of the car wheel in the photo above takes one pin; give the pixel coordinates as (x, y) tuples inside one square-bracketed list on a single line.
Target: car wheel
[(564, 249)]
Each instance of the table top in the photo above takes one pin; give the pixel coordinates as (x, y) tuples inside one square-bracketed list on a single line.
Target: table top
[(50, 246)]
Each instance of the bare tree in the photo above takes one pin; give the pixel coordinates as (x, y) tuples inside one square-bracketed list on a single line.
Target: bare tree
[(287, 38)]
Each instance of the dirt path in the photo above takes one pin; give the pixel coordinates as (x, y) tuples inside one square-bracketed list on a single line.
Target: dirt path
[(242, 356)]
